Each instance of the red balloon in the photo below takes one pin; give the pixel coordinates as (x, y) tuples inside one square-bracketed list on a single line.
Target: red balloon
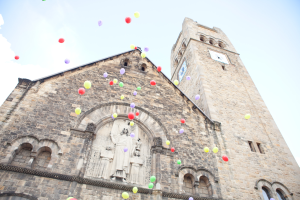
[(137, 114), (135, 47), (111, 82), (127, 20), (152, 82), (159, 68), (172, 149), (225, 158), (81, 91), (17, 57), (131, 116), (182, 121), (61, 40)]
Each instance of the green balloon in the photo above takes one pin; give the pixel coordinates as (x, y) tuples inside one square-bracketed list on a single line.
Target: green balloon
[(121, 84), (150, 186), (138, 88), (178, 162), (152, 178)]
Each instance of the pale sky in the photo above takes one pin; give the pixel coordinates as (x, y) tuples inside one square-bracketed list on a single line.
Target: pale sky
[(264, 33)]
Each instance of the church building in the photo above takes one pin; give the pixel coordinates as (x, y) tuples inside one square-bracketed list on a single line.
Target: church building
[(49, 152)]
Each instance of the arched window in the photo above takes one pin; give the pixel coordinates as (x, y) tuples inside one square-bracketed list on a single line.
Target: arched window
[(266, 193), (22, 156), (143, 67), (221, 44), (202, 38), (205, 187), (42, 160), (126, 61), (211, 41), (188, 181), (280, 195)]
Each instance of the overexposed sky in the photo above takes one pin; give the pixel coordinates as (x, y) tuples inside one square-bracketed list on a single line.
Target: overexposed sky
[(265, 33)]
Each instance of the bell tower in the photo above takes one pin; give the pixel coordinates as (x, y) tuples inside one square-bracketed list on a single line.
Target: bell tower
[(205, 63)]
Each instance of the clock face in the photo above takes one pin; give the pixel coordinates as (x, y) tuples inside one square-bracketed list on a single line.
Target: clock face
[(218, 57)]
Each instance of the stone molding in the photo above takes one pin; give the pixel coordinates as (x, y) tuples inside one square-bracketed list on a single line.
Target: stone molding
[(9, 194), (184, 196), (82, 134)]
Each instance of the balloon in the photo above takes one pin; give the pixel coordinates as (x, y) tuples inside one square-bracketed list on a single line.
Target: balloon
[(150, 186), (168, 142), (81, 91), (125, 149), (152, 178), (122, 97), (272, 199), (112, 116), (178, 162), (191, 198), (247, 116), (159, 68), (215, 149), (132, 135), (146, 49), (188, 78), (115, 115), (78, 111), (17, 57), (71, 198), (172, 149), (122, 71), (143, 55), (115, 80), (121, 84), (135, 47), (100, 23), (138, 88), (132, 46), (197, 97), (134, 93), (182, 121), (181, 131), (125, 195), (127, 20), (206, 149), (176, 82), (135, 190), (132, 105), (105, 75), (131, 123), (87, 84), (152, 82), (131, 116), (137, 114), (137, 14), (111, 82), (61, 40), (67, 61), (225, 158)]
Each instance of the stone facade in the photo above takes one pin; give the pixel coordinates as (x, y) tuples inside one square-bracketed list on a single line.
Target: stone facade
[(49, 152)]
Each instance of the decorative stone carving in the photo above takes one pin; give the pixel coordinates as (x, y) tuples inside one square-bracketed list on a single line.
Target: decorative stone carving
[(91, 127), (157, 141)]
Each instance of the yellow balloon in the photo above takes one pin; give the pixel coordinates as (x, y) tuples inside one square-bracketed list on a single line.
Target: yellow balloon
[(215, 149), (247, 116), (78, 111), (122, 97), (176, 82), (87, 84), (131, 123), (125, 195), (115, 115), (70, 198), (115, 80), (168, 142), (132, 46), (143, 55), (135, 190), (206, 149), (137, 14)]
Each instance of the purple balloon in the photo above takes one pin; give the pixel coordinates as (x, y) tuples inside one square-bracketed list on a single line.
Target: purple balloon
[(132, 135), (197, 97), (188, 78), (125, 149), (67, 61), (122, 71), (99, 22), (272, 199), (105, 75), (181, 131), (191, 198), (132, 105), (112, 116), (134, 93), (146, 49)]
